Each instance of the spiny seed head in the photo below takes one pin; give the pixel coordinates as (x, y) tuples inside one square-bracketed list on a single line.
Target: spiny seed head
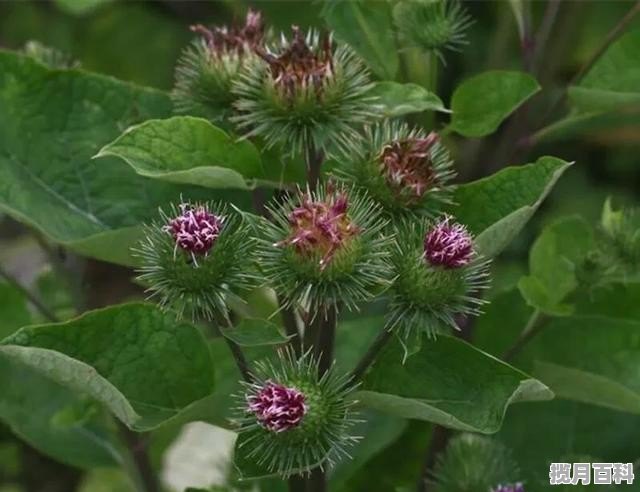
[(305, 91), (236, 40), (405, 169), (320, 227), (517, 487), (197, 257), (408, 165), (277, 408), (196, 229), (448, 244), (293, 417), (438, 277)]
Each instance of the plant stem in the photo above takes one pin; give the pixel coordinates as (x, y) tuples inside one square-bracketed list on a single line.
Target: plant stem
[(326, 339), (370, 355), (317, 482), (438, 442), (142, 473), (291, 327), (297, 484), (32, 298), (536, 322), (544, 31), (314, 158)]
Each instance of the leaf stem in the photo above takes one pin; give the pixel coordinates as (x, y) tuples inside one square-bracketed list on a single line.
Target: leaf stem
[(314, 158), (536, 322), (32, 298), (236, 351), (370, 355)]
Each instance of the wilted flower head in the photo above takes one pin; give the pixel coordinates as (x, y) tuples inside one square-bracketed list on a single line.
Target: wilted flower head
[(238, 40), (448, 245), (196, 229), (517, 487), (405, 169), (301, 65), (278, 408), (325, 248), (408, 165), (208, 67), (304, 91), (321, 226)]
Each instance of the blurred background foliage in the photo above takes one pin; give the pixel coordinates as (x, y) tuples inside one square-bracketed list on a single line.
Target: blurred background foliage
[(139, 41)]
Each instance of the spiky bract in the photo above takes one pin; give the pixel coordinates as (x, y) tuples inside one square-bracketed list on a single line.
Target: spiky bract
[(208, 66), (402, 168), (432, 25), (321, 435), (193, 280), (473, 463), (427, 297), (303, 93), (337, 256)]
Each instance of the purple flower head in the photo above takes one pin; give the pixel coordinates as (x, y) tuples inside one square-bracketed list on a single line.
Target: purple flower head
[(516, 487), (196, 229), (320, 226), (448, 245), (277, 407), (407, 165), (235, 39)]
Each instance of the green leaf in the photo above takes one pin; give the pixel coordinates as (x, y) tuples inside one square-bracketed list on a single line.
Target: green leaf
[(459, 387), (482, 102), (47, 139), (368, 28), (398, 99), (497, 207), (139, 362), (554, 261), (255, 332), (13, 310), (614, 81), (30, 405), (80, 7), (187, 150)]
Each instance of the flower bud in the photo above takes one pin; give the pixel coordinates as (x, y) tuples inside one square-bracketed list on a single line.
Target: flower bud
[(475, 463), (293, 420), (404, 169), (620, 247), (438, 276), (304, 91), (208, 67), (196, 257), (432, 25), (326, 248)]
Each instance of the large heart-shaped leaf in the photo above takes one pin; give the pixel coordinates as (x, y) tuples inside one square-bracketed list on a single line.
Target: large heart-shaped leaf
[(13, 310), (397, 99), (51, 123), (458, 386), (614, 81), (368, 27), (189, 150), (139, 362), (482, 102), (497, 207)]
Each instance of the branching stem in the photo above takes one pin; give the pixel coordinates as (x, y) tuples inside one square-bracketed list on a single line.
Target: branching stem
[(370, 355), (32, 298)]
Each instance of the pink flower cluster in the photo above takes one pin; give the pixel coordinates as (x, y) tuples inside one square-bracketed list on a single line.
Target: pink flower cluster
[(407, 164), (196, 229), (518, 487), (320, 226), (448, 245), (221, 40), (277, 407)]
